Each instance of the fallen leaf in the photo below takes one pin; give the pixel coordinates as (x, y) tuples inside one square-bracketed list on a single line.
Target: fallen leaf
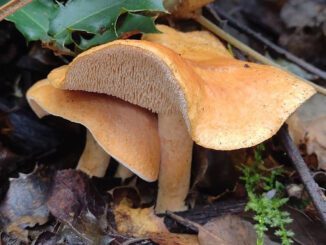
[(145, 224), (308, 126), (25, 203), (46, 238), (228, 230), (69, 194), (301, 13), (305, 230), (304, 20), (76, 203)]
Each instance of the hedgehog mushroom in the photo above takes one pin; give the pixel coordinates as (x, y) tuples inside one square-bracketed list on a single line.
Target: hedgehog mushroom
[(94, 161), (117, 128), (217, 101)]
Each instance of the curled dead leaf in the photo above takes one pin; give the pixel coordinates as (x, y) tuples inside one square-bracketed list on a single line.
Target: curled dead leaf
[(25, 203), (308, 126), (144, 223), (76, 203), (228, 230)]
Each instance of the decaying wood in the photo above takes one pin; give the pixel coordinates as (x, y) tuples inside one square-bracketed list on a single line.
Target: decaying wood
[(11, 7), (311, 186)]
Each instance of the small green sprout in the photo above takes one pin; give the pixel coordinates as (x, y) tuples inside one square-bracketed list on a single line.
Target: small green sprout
[(265, 194)]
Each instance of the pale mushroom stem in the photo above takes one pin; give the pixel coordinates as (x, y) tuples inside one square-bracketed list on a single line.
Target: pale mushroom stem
[(94, 161), (176, 154), (123, 173)]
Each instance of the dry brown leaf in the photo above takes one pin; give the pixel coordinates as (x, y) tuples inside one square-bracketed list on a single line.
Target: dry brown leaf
[(308, 125), (228, 230), (144, 223), (77, 204), (25, 203), (302, 13)]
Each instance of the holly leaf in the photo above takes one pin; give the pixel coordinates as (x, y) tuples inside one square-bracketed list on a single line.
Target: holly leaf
[(33, 20), (131, 24), (3, 2), (62, 27), (95, 17), (136, 23)]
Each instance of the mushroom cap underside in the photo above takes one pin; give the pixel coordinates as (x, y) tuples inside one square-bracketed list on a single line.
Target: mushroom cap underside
[(226, 103), (125, 131)]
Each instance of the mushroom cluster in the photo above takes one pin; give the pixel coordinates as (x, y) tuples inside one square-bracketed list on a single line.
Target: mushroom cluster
[(186, 87)]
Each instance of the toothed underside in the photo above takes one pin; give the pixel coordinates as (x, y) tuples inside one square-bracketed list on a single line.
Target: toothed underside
[(129, 74)]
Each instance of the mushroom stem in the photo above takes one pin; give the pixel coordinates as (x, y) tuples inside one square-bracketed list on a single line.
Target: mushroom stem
[(176, 154), (94, 161), (123, 173)]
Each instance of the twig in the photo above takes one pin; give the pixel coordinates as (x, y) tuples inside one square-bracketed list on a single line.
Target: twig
[(196, 227), (306, 177), (247, 50), (134, 240), (185, 222), (11, 7), (300, 62), (202, 214)]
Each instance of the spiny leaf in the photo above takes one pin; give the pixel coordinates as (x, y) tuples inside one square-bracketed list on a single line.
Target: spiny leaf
[(94, 16), (137, 22), (132, 23), (33, 20), (3, 2), (61, 26)]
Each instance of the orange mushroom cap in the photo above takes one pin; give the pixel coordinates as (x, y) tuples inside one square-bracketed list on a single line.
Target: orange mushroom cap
[(125, 131), (226, 103)]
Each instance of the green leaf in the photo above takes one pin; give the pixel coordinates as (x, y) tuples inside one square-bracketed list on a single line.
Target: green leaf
[(95, 16), (137, 23), (132, 23), (33, 20), (107, 36), (3, 2)]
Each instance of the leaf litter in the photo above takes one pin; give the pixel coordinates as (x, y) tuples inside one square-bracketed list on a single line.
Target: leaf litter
[(308, 127), (143, 223), (25, 202)]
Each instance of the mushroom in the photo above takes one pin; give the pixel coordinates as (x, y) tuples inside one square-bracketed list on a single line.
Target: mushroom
[(123, 173), (94, 161), (200, 93), (117, 128)]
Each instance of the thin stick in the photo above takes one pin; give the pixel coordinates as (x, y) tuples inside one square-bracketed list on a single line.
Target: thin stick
[(185, 222), (249, 51), (11, 7), (196, 227), (306, 177), (291, 57)]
